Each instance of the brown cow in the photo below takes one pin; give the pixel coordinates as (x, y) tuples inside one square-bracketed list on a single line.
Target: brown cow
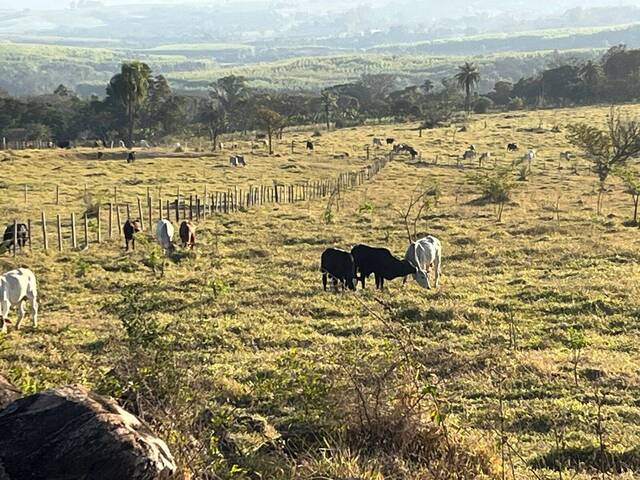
[(188, 234)]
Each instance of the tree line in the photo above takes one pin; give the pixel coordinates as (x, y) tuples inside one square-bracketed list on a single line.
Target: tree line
[(139, 105)]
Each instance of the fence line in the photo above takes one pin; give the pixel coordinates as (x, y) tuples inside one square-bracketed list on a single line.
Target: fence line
[(193, 207)]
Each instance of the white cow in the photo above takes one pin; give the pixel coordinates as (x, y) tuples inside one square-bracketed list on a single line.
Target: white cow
[(16, 286), (529, 156), (423, 254), (377, 142), (164, 235)]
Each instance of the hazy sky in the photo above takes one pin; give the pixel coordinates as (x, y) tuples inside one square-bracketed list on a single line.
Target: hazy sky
[(544, 4)]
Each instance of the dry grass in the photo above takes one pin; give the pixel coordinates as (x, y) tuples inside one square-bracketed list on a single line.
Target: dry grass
[(252, 334)]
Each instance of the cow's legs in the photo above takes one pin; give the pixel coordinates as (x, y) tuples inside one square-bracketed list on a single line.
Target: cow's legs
[(33, 302), (20, 314), (438, 267), (324, 281), (4, 313)]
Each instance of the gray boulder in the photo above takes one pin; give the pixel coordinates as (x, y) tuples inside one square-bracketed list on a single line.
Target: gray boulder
[(70, 433)]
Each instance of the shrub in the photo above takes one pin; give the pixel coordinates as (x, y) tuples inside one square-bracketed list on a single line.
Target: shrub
[(516, 103), (483, 105)]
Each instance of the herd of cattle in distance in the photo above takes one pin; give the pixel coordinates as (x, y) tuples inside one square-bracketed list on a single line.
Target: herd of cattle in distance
[(349, 268)]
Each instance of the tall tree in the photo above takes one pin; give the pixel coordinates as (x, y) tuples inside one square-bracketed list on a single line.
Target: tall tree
[(229, 93), (467, 78), (128, 90), (271, 122), (328, 99)]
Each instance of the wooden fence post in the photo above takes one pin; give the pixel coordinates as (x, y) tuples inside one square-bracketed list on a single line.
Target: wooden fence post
[(86, 230), (15, 236), (190, 207), (99, 226), (57, 195), (140, 214), (110, 220), (74, 242), (149, 212), (29, 235), (59, 224), (43, 219), (177, 205), (118, 221), (128, 212)]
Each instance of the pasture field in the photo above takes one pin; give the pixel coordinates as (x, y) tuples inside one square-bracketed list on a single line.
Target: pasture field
[(239, 359)]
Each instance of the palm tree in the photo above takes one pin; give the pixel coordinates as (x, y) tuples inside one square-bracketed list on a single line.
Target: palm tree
[(229, 93), (129, 90), (467, 78), (591, 74)]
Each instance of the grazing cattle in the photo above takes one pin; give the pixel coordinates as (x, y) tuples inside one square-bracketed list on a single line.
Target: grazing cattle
[(100, 155), (424, 254), (129, 229), (377, 142), (237, 161), (64, 144), (164, 235), (309, 145), (131, 157), (391, 141), (566, 155), (486, 156), (144, 144), (381, 263), (512, 147), (187, 234), (530, 155), (403, 148), (472, 148), (469, 155), (21, 236), (16, 286), (339, 266)]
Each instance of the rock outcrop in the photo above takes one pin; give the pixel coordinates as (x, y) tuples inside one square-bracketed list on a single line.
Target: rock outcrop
[(70, 433)]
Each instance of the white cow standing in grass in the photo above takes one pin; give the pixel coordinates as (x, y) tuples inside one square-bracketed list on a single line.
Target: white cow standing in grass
[(424, 254), (16, 286), (164, 235)]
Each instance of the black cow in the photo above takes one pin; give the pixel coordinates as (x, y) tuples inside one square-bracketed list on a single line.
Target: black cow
[(391, 141), (381, 263), (130, 228), (64, 144), (338, 265), (512, 147), (400, 148), (309, 145), (188, 234), (23, 235), (131, 157)]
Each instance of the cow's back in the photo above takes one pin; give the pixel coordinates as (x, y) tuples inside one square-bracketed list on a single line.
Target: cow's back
[(19, 283)]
